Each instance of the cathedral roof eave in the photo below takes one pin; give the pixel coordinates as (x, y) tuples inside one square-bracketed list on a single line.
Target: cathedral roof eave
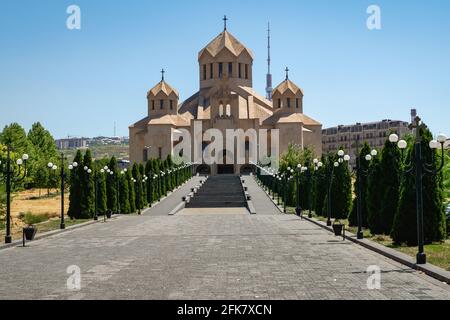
[(163, 87)]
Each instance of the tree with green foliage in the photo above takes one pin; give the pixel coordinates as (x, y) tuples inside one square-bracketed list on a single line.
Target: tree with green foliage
[(111, 186), (76, 194), (124, 193), (101, 191), (363, 175), (149, 187), (143, 186), (41, 177), (157, 181), (404, 228), (320, 188), (163, 178), (390, 181), (87, 187), (374, 196), (131, 191), (341, 189)]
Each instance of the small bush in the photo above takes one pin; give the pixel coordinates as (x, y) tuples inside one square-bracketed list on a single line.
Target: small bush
[(30, 218)]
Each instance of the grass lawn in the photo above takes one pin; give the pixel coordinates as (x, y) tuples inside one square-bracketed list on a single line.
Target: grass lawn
[(438, 254)]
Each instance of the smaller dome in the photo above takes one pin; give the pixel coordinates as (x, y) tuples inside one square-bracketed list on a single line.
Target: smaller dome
[(287, 85), (164, 87)]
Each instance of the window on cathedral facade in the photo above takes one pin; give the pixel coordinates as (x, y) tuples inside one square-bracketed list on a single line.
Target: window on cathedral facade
[(240, 70), (246, 71), (153, 104), (161, 104), (144, 155), (288, 102), (297, 103), (211, 70), (230, 69), (160, 153), (171, 104), (220, 70), (279, 103), (204, 72)]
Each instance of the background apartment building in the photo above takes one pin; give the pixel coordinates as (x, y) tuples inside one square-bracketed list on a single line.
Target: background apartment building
[(374, 133)]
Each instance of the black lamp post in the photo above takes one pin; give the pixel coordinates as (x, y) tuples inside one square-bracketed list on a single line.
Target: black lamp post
[(330, 172), (12, 176), (360, 173), (421, 168)]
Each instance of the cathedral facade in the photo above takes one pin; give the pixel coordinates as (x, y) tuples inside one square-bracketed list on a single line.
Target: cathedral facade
[(225, 100)]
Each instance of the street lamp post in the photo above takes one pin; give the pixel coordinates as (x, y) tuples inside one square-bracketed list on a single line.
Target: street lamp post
[(360, 173), (336, 164), (12, 177), (421, 168), (317, 165)]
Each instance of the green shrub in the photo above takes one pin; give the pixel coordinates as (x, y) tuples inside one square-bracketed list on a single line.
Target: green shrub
[(29, 218)]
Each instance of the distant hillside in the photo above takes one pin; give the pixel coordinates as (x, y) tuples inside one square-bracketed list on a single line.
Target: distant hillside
[(119, 151)]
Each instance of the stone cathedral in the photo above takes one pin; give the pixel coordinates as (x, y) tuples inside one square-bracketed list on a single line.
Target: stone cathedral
[(225, 100)]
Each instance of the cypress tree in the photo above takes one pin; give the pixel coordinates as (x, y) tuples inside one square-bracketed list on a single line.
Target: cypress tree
[(87, 185), (390, 180), (111, 186), (149, 174), (320, 188), (124, 193), (374, 196), (157, 182), (75, 195), (101, 193), (143, 186), (341, 190), (163, 178), (131, 192), (404, 228), (138, 186), (364, 167)]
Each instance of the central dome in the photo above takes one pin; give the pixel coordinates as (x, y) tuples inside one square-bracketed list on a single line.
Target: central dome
[(222, 41)]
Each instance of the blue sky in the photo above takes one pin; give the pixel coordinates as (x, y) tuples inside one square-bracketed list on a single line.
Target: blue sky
[(81, 82)]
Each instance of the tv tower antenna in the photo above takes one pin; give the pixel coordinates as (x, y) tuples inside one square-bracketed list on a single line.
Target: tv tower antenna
[(268, 76)]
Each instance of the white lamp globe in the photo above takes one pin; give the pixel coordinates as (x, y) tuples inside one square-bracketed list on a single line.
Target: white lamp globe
[(336, 164), (102, 170), (341, 153), (320, 164), (316, 161), (347, 157), (70, 167), (111, 173), (304, 169), (19, 162), (434, 144), (85, 168), (441, 138), (289, 168), (25, 157), (299, 166), (402, 144), (374, 153), (125, 170), (393, 138), (368, 157), (54, 167), (341, 160), (50, 165), (105, 168), (75, 164)]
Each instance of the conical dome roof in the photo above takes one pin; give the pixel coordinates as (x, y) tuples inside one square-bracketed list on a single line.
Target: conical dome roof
[(287, 85), (222, 41), (164, 87)]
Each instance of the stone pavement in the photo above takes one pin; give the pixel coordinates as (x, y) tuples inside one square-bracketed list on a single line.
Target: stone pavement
[(206, 256)]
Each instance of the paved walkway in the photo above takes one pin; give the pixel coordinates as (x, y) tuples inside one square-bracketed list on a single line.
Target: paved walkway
[(260, 200), (205, 256)]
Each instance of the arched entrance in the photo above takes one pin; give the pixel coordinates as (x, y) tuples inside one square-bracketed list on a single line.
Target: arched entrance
[(227, 166), (247, 169), (203, 170)]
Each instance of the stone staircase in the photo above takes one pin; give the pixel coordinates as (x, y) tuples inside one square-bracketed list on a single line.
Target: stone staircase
[(219, 192)]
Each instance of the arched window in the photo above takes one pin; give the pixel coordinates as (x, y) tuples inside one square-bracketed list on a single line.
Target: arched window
[(153, 104), (221, 110), (161, 104), (171, 104), (228, 111), (279, 103), (230, 69), (220, 70), (288, 102), (297, 103)]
